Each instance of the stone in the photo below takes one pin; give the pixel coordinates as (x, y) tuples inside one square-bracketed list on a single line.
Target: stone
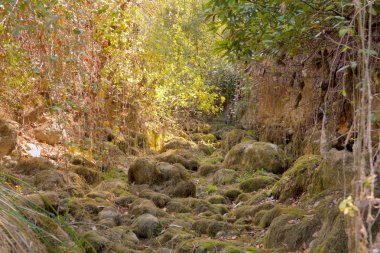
[(254, 155), (8, 137), (256, 183), (147, 226), (32, 166), (48, 135)]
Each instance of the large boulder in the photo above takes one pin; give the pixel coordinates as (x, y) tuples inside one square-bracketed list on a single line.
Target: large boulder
[(256, 155), (232, 138), (182, 156), (289, 232), (296, 180), (49, 180), (8, 137), (32, 166), (144, 171), (178, 143), (147, 226), (91, 175), (48, 134), (256, 183), (335, 172), (170, 179)]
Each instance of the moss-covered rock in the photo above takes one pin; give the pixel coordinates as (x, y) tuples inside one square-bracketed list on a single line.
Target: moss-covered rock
[(159, 199), (144, 171), (91, 175), (232, 138), (125, 200), (178, 143), (232, 193), (49, 180), (332, 237), (171, 172), (208, 169), (206, 138), (104, 195), (74, 184), (48, 200), (178, 206), (256, 183), (8, 137), (147, 226), (109, 216), (243, 197), (182, 156), (95, 243), (258, 197), (182, 189), (116, 186), (210, 227), (201, 246), (184, 205), (84, 209), (143, 206), (250, 211), (265, 217), (123, 237), (224, 177), (217, 199), (336, 171), (216, 157), (291, 231), (32, 166), (173, 236), (256, 155), (295, 181)]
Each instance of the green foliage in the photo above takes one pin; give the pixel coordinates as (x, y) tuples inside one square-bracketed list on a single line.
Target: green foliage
[(275, 27), (110, 62)]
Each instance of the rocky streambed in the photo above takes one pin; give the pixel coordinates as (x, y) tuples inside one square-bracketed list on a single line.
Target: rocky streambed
[(236, 195)]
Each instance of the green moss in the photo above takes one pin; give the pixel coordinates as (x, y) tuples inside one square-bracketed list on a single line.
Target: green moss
[(232, 194), (256, 183), (91, 176), (95, 242), (186, 205), (174, 236), (210, 227), (212, 188), (268, 216), (201, 246), (243, 197), (256, 155), (215, 158), (34, 165), (234, 249), (208, 169), (332, 238), (208, 138), (291, 231), (295, 181), (224, 177), (232, 138), (182, 189), (115, 186), (217, 199), (251, 211), (335, 172), (258, 197), (159, 199)]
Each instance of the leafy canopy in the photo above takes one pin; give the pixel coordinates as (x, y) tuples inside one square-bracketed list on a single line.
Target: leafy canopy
[(254, 28)]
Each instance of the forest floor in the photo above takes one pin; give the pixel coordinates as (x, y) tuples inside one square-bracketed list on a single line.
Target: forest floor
[(217, 190)]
